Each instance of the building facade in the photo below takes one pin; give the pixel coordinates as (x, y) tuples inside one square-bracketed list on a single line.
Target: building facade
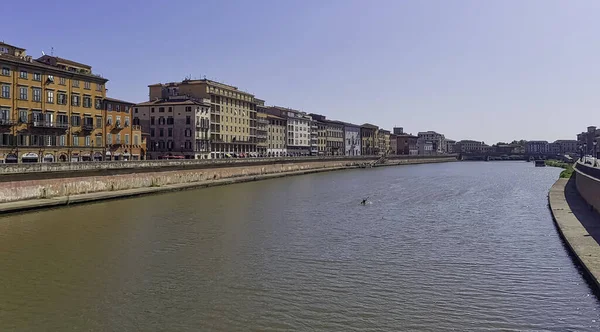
[(370, 142), (233, 119), (393, 144), (469, 146), (178, 127), (262, 125), (384, 141), (335, 138), (298, 130), (50, 109), (406, 144), (276, 136), (567, 146), (431, 142), (537, 147), (123, 138), (352, 144)]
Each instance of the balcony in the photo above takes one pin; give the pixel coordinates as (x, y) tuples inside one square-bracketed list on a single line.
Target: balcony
[(49, 125), (7, 122), (87, 127)]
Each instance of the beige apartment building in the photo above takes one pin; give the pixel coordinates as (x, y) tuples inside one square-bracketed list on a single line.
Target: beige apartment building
[(51, 109), (276, 136), (383, 137), (178, 127), (232, 113)]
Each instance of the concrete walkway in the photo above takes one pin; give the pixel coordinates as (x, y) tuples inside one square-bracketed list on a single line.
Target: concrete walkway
[(578, 224)]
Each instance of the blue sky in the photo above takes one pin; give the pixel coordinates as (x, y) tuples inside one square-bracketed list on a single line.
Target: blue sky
[(485, 70)]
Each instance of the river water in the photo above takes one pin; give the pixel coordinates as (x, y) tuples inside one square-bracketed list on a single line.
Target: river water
[(456, 246)]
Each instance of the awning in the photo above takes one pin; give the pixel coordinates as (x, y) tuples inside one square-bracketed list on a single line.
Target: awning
[(108, 153), (30, 155)]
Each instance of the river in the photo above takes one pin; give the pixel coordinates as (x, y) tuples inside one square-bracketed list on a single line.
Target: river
[(465, 246)]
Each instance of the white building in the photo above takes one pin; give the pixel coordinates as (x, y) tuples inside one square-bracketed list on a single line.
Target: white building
[(351, 139), (299, 132)]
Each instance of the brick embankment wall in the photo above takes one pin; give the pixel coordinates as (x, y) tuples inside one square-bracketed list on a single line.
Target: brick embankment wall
[(52, 187), (588, 185)]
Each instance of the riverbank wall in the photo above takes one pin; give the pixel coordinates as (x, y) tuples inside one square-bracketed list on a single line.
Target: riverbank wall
[(578, 225), (25, 186), (587, 179)]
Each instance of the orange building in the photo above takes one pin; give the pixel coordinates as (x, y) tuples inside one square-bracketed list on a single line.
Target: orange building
[(124, 139)]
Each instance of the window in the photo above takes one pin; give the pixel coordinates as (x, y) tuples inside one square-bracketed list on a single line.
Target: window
[(75, 120), (170, 109), (5, 91), (152, 110), (170, 120), (152, 120), (50, 95), (37, 76), (118, 139), (126, 139), (170, 132), (5, 71), (188, 120), (136, 140), (63, 119), (126, 121), (98, 122), (152, 132), (74, 100), (87, 101), (51, 78), (98, 103), (109, 107), (108, 138), (98, 140), (126, 109), (62, 140), (61, 98), (161, 109), (118, 108), (88, 141), (75, 140), (23, 93), (98, 87), (75, 83), (161, 132), (161, 120), (109, 120), (188, 133), (23, 116), (62, 81), (23, 74), (136, 110), (87, 85)]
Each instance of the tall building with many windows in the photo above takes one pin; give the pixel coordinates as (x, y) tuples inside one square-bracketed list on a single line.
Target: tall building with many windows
[(299, 130), (50, 108), (232, 113)]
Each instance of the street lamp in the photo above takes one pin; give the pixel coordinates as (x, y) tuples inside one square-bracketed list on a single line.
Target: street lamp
[(595, 155)]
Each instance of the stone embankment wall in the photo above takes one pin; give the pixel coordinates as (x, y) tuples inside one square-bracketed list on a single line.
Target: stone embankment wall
[(42, 183), (587, 180)]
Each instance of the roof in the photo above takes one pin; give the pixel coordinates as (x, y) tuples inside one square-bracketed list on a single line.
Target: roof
[(13, 46), (63, 60), (271, 116), (370, 126), (203, 81), (118, 101), (35, 63), (168, 102)]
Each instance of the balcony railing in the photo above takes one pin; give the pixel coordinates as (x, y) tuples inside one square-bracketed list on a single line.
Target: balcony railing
[(87, 126), (48, 124), (7, 122), (136, 127)]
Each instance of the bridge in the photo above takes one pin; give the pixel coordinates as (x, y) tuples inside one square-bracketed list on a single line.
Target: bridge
[(487, 156)]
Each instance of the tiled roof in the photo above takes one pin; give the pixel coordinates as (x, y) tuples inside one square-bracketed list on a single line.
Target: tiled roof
[(118, 101), (37, 64)]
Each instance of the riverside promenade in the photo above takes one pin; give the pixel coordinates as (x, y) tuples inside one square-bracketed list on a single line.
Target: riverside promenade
[(578, 224)]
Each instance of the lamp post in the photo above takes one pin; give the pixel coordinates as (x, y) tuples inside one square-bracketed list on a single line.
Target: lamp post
[(595, 155)]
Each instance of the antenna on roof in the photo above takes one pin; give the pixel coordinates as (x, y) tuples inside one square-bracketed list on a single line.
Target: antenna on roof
[(43, 53), (52, 50)]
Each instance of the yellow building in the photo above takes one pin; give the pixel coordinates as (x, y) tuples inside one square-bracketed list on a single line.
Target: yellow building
[(123, 138), (383, 137), (50, 109), (232, 111), (276, 136)]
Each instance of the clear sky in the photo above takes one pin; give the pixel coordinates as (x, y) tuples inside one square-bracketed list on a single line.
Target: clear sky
[(485, 70)]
